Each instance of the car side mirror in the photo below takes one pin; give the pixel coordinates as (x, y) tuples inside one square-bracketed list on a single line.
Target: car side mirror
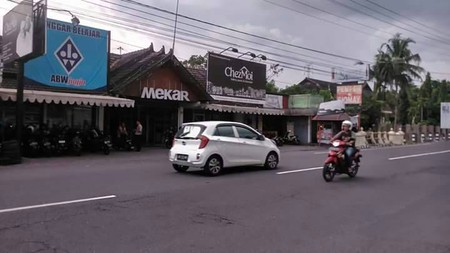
[(261, 137)]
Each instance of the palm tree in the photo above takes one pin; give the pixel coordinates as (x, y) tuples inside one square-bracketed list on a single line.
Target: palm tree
[(396, 66)]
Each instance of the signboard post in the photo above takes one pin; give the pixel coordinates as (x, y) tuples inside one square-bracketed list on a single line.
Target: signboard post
[(236, 80), (23, 39)]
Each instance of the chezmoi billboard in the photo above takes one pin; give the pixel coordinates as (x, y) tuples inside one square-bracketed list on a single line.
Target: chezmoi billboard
[(76, 58), (18, 32), (445, 115), (236, 80)]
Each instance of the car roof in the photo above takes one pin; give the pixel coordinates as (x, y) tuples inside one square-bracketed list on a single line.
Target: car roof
[(213, 123)]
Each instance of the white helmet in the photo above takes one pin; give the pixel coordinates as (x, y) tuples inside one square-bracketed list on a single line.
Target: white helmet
[(348, 123)]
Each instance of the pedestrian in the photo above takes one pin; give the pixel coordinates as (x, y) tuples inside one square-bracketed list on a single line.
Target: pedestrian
[(138, 135), (319, 134)]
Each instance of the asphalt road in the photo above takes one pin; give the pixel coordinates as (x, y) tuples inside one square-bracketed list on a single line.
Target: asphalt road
[(393, 205)]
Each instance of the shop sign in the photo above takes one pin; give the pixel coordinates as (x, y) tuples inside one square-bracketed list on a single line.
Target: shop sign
[(236, 80), (165, 94), (350, 94)]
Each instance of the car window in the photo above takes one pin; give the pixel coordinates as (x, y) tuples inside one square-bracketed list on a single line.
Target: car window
[(224, 131), (246, 133), (190, 131)]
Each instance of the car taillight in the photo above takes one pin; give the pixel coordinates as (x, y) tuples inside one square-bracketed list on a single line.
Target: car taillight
[(203, 142)]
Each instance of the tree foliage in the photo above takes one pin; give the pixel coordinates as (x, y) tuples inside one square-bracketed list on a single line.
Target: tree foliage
[(195, 61)]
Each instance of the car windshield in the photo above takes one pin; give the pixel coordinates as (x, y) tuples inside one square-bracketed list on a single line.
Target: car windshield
[(190, 131)]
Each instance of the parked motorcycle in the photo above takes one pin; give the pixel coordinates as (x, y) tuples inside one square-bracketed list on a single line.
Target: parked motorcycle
[(96, 140), (169, 134), (74, 141), (335, 163), (278, 141), (290, 138), (30, 141), (59, 141)]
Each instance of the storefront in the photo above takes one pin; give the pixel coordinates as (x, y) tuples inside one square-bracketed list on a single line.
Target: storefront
[(164, 91), (327, 125), (78, 111)]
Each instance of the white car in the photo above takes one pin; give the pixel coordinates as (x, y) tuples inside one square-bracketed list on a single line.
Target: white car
[(214, 145)]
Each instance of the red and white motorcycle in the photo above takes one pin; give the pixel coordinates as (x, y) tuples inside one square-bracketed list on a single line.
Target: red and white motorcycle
[(335, 162)]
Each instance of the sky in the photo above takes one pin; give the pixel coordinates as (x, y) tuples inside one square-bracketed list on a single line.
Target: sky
[(306, 38)]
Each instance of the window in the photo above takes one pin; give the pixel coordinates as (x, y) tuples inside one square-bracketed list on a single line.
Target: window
[(224, 131), (246, 133), (190, 131)]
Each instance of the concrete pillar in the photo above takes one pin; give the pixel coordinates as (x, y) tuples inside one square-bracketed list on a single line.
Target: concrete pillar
[(101, 118), (44, 114), (180, 116), (260, 123)]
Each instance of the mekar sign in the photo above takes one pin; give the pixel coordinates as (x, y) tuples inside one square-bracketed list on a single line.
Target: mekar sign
[(164, 94)]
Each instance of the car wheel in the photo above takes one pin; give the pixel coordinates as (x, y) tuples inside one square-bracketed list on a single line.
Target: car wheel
[(213, 166), (180, 168), (271, 161)]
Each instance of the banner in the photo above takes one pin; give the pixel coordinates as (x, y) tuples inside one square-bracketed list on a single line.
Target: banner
[(445, 115), (236, 80), (274, 101), (18, 32), (350, 94), (76, 58)]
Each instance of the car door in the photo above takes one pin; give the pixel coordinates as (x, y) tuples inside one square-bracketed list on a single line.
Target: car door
[(252, 149), (226, 141)]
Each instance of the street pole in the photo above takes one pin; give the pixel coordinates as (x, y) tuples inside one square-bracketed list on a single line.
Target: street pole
[(175, 29), (19, 102)]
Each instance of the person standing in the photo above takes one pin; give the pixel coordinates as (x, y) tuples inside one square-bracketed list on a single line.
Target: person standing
[(138, 135)]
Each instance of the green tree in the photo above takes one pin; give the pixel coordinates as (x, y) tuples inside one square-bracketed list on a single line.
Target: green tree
[(271, 87), (395, 68), (195, 61)]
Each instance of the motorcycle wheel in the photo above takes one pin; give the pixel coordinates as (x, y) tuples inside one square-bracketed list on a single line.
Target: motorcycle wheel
[(353, 173), (328, 172), (106, 151)]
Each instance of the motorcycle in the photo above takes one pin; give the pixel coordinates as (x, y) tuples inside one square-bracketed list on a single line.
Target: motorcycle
[(290, 138), (96, 140), (30, 141), (75, 142), (168, 138), (335, 163), (278, 141)]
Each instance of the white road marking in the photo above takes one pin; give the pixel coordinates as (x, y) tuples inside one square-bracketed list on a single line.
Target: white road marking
[(301, 170), (382, 148), (418, 155), (56, 204)]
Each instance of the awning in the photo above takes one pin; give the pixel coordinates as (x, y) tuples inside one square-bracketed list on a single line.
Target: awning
[(242, 109), (66, 98), (332, 117)]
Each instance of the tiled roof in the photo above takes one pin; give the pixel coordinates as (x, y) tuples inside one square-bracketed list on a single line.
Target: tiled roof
[(199, 74), (332, 117), (319, 84), (126, 68), (131, 66)]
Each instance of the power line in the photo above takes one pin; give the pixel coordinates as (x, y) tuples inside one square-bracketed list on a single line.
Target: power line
[(399, 14), (216, 32), (395, 18), (322, 19), (387, 22), (242, 32), (303, 68), (208, 46)]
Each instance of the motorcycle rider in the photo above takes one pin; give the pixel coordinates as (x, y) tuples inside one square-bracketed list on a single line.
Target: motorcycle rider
[(346, 135)]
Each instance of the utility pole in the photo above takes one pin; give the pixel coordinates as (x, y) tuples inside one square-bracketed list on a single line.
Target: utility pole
[(175, 29), (120, 49)]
